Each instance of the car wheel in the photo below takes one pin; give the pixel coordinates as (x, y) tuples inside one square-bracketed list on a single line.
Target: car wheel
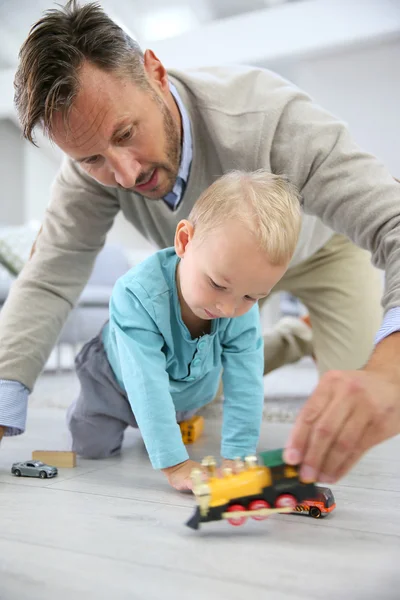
[(17, 472), (42, 474), (315, 512)]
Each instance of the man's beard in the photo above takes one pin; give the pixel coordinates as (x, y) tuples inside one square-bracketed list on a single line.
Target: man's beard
[(172, 151), (173, 148)]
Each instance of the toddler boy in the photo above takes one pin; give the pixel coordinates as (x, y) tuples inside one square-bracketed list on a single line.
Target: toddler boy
[(183, 317)]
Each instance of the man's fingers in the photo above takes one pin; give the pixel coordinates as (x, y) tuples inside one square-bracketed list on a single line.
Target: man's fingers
[(348, 443), (316, 405), (367, 441), (324, 434)]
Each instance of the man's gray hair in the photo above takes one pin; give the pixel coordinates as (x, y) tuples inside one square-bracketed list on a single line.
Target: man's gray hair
[(47, 79)]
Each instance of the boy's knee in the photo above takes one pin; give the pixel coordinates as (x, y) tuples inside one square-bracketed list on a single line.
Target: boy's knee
[(91, 441)]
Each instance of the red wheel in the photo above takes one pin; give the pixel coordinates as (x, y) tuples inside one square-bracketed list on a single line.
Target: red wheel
[(236, 521), (286, 501), (256, 505)]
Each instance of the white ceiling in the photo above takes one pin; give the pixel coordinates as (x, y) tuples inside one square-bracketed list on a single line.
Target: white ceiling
[(147, 20)]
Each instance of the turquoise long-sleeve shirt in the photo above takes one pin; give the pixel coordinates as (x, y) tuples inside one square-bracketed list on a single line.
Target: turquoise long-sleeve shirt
[(163, 370)]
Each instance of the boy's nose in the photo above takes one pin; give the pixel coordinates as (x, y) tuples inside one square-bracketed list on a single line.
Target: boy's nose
[(227, 309)]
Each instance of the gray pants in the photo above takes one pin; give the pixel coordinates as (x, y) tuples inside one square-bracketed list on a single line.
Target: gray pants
[(98, 418)]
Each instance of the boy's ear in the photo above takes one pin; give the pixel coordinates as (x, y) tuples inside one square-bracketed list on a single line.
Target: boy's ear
[(183, 235)]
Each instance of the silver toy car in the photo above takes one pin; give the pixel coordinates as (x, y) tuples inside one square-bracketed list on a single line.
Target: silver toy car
[(33, 468)]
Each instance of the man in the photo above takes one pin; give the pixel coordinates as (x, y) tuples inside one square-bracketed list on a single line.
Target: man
[(148, 142)]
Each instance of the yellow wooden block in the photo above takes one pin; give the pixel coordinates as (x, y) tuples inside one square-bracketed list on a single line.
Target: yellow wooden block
[(192, 429), (56, 458)]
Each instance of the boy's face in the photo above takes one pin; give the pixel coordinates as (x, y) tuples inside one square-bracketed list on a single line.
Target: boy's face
[(223, 274)]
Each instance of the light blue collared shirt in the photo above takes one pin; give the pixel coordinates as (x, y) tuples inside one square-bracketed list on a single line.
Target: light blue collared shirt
[(172, 199), (391, 324), (163, 370)]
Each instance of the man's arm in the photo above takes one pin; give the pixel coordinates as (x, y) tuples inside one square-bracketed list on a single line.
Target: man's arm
[(354, 194), (74, 229), (348, 189), (348, 413), (13, 405)]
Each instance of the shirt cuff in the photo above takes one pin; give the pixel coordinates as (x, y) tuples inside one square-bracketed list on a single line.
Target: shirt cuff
[(13, 406), (168, 459), (391, 324)]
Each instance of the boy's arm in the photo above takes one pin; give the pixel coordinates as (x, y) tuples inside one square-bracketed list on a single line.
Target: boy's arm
[(138, 349), (243, 366)]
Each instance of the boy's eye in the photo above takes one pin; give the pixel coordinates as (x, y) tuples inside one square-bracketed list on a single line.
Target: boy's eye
[(216, 286), (250, 299)]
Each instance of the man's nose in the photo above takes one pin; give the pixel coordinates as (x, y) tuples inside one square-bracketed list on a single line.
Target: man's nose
[(126, 170)]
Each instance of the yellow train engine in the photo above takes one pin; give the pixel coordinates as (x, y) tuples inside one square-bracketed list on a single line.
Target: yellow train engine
[(257, 487)]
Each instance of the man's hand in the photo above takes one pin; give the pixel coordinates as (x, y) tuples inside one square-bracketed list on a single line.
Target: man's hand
[(179, 475), (348, 413)]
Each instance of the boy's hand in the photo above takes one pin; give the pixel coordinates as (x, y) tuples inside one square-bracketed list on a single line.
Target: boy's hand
[(179, 475), (1, 431), (227, 463)]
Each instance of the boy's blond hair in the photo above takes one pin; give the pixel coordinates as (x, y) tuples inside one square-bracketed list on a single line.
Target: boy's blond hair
[(267, 204)]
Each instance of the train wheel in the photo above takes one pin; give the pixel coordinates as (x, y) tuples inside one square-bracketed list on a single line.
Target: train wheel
[(257, 505), (236, 521), (286, 501)]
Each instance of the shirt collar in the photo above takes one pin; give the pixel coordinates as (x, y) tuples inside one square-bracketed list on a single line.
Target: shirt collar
[(187, 147)]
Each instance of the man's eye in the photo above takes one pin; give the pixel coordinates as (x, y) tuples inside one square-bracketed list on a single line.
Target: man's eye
[(125, 136), (91, 160)]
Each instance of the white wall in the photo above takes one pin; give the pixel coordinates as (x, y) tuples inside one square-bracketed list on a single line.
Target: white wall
[(362, 87), (40, 171), (11, 174)]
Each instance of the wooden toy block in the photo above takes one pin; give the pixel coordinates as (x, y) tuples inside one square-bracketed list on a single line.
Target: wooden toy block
[(56, 458), (192, 429)]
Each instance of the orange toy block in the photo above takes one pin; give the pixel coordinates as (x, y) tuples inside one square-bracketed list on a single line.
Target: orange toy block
[(56, 458), (192, 429)]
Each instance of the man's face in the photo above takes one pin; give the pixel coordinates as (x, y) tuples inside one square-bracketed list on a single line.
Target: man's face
[(121, 135)]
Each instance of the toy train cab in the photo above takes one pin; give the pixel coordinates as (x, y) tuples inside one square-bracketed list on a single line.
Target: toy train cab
[(257, 487)]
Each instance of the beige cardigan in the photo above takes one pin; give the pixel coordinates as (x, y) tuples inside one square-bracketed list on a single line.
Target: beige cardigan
[(241, 118)]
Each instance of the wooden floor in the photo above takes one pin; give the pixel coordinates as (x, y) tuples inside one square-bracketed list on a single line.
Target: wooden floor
[(113, 529)]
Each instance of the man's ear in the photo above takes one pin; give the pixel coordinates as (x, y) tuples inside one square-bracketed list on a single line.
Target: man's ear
[(155, 70), (183, 235)]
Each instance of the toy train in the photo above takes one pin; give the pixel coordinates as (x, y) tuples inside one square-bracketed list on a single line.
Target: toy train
[(257, 487)]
